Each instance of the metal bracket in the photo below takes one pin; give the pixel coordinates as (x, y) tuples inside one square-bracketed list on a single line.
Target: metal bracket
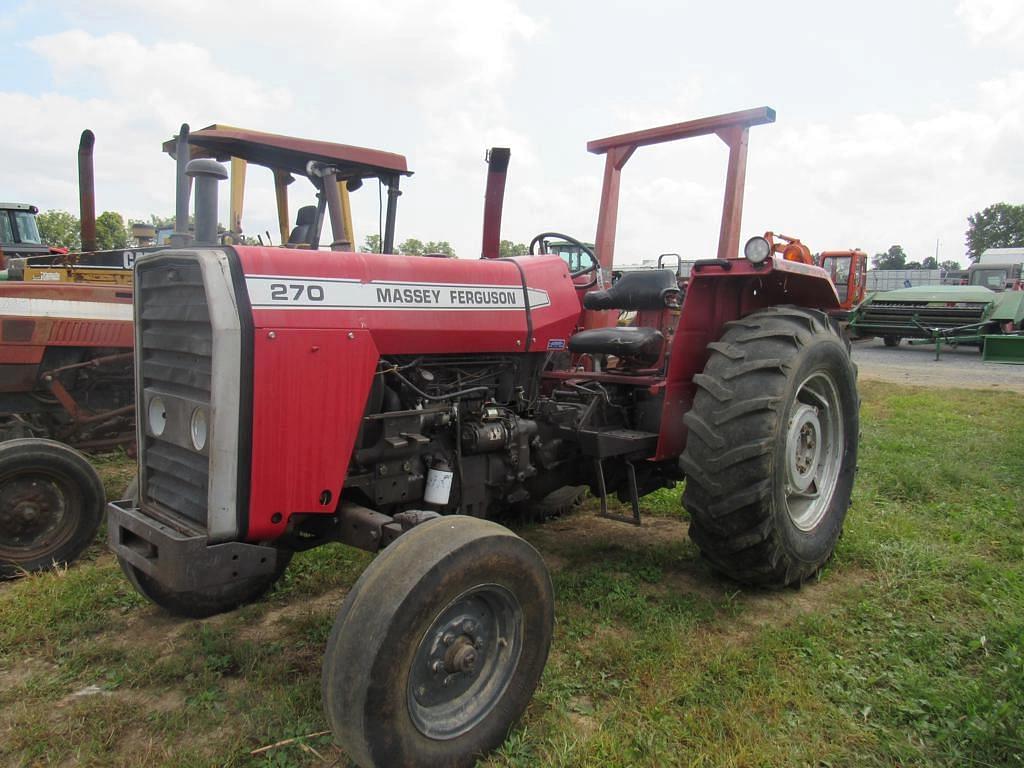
[(634, 496)]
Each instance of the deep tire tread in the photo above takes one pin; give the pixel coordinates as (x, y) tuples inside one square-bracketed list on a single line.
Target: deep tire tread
[(733, 430)]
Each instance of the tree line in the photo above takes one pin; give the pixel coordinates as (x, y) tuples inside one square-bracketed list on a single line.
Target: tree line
[(62, 228), (998, 226)]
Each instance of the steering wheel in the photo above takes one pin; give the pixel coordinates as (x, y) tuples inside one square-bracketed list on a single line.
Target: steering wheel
[(542, 239)]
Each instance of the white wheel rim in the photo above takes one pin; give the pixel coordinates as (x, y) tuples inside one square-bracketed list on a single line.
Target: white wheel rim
[(815, 435)]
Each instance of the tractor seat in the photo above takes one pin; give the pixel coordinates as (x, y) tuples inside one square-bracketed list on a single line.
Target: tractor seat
[(303, 230), (640, 345), (650, 289)]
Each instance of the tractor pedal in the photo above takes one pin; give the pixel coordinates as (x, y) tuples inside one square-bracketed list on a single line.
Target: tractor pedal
[(634, 496)]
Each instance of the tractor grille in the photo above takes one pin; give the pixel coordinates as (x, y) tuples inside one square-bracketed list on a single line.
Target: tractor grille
[(901, 316), (175, 340)]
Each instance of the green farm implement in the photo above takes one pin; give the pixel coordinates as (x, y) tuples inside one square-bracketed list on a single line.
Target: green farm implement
[(955, 315)]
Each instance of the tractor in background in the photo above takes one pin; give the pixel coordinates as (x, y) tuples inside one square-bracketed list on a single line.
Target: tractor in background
[(847, 269), (404, 404), (66, 334)]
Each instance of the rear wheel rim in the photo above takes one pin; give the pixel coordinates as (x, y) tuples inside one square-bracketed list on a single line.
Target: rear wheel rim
[(813, 451), (465, 662)]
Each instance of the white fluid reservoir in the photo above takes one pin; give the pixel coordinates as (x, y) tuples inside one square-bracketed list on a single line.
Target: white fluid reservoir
[(439, 485)]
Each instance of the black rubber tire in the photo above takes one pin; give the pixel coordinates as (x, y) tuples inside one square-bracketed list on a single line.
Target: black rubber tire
[(891, 340), (735, 457), (379, 628), (200, 605), (562, 501), (70, 478)]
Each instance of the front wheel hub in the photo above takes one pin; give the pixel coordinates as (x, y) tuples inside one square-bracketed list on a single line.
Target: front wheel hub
[(465, 662), (32, 509)]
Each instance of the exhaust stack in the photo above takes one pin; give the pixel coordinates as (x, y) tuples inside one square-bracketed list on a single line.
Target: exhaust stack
[(87, 191), (497, 166), (181, 237)]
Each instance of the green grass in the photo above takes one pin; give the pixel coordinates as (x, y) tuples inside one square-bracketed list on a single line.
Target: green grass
[(908, 651)]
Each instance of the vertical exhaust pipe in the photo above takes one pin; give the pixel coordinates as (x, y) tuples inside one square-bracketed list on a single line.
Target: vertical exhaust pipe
[(494, 199), (207, 174), (182, 189), (87, 191)]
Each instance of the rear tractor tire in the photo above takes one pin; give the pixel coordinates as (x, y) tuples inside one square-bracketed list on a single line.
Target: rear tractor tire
[(771, 449), (51, 504), (438, 647)]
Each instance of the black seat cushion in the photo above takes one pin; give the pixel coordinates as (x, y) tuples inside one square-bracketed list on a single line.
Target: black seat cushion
[(304, 220), (640, 344), (648, 289)]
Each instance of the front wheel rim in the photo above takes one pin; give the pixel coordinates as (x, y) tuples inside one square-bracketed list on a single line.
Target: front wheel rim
[(815, 435), (37, 513), (465, 662)]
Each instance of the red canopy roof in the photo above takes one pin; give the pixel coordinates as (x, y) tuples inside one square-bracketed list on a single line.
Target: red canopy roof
[(289, 153)]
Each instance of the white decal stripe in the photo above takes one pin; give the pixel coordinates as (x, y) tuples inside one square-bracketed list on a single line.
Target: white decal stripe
[(327, 294), (72, 310)]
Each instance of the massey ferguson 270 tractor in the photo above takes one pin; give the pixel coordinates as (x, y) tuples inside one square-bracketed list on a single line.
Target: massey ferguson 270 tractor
[(289, 399)]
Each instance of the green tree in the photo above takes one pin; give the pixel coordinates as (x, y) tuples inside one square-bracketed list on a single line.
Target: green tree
[(507, 248), (998, 226), (950, 266), (930, 263), (439, 246), (111, 231), (894, 258), (371, 244), (411, 247), (162, 222), (60, 228)]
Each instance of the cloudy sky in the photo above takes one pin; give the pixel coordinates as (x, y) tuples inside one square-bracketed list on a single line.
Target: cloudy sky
[(896, 120)]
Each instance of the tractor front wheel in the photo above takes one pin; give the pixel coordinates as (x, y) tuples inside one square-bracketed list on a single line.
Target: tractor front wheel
[(771, 449), (210, 602), (892, 340), (51, 504), (438, 647)]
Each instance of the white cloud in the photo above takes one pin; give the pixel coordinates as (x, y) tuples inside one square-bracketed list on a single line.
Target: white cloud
[(993, 21), (137, 102)]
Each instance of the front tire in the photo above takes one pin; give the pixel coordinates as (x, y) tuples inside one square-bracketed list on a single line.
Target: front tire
[(771, 450), (437, 649), (210, 602), (51, 504), (891, 340)]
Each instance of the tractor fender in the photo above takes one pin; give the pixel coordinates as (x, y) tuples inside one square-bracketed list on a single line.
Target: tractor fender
[(719, 292)]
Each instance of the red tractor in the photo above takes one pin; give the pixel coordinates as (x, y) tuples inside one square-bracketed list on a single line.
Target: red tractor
[(290, 399)]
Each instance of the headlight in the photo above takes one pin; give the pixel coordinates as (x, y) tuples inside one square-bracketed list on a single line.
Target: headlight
[(757, 250), (157, 414), (199, 428)]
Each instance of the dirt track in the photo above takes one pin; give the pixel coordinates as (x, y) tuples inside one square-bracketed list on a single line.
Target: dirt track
[(916, 365)]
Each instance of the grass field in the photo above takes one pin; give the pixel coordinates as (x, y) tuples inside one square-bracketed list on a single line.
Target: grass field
[(908, 651)]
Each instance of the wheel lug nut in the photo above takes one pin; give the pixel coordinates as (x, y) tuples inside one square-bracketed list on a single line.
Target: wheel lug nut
[(437, 666), (447, 681), (468, 626), (449, 639)]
